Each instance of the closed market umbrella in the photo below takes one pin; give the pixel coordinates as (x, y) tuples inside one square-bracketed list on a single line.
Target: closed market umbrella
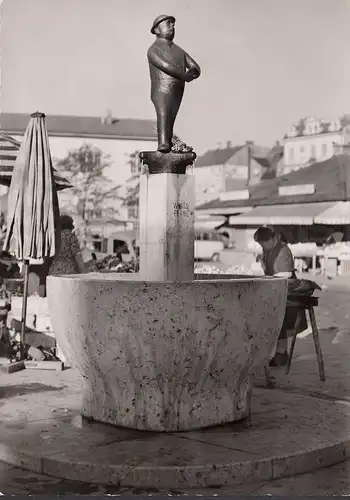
[(32, 204)]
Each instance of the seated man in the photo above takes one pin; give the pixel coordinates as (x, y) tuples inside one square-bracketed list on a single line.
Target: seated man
[(277, 260)]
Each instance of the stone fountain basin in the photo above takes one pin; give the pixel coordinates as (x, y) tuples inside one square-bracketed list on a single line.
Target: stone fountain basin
[(166, 356)]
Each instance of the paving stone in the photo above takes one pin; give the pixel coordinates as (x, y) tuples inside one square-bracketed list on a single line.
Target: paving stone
[(6, 483), (31, 442), (14, 480), (293, 465), (327, 481), (40, 484)]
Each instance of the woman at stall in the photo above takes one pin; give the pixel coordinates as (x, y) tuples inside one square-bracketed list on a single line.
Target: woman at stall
[(69, 259), (277, 260)]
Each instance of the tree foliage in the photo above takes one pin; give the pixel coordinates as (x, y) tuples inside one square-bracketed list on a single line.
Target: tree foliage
[(133, 183), (92, 192)]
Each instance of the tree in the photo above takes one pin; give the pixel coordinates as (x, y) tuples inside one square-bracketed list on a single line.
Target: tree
[(94, 197), (131, 200)]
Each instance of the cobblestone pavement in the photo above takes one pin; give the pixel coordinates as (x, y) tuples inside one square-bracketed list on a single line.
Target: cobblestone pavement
[(333, 317)]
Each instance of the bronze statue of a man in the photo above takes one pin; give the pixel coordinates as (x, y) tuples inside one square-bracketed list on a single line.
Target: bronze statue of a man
[(170, 68)]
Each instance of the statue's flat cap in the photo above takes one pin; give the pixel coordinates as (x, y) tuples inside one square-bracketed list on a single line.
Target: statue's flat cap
[(160, 19)]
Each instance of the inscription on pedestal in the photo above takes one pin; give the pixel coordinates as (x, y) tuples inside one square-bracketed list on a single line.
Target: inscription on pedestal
[(166, 227), (181, 209)]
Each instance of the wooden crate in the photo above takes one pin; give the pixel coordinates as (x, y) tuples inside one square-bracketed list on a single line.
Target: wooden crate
[(38, 318)]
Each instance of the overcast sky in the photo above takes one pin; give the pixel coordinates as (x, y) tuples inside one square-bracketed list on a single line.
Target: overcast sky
[(265, 63)]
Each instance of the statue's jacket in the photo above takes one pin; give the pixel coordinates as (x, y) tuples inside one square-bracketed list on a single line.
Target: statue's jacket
[(165, 58)]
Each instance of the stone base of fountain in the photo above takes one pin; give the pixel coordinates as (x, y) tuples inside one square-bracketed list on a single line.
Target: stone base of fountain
[(289, 434), (166, 356)]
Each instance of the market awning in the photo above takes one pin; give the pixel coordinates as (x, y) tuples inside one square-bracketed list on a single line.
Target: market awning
[(9, 149), (294, 214), (8, 153), (338, 215), (221, 210), (209, 223)]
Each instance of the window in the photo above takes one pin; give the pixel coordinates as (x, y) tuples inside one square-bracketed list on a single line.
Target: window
[(135, 163), (313, 151), (291, 155), (98, 246), (97, 213), (324, 149), (302, 149), (120, 246), (97, 242), (314, 129), (133, 212)]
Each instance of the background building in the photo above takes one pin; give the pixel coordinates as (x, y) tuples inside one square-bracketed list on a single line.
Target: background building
[(294, 204), (116, 137), (231, 168), (313, 140)]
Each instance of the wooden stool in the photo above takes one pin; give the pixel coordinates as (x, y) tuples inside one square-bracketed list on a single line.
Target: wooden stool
[(307, 303)]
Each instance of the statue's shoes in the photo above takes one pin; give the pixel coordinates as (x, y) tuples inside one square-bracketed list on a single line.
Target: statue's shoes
[(180, 147), (164, 148)]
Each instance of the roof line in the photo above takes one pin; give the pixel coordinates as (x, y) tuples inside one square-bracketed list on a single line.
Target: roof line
[(94, 136), (307, 136)]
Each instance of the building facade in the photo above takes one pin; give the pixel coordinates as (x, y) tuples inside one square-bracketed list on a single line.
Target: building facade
[(305, 205), (118, 138), (313, 140), (229, 169)]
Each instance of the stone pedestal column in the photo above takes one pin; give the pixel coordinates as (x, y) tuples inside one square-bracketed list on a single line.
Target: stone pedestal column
[(167, 202)]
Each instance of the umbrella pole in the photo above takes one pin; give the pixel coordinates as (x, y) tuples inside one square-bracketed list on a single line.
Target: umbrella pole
[(24, 305)]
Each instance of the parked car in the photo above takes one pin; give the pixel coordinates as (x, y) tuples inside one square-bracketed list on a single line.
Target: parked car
[(208, 245), (124, 244)]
